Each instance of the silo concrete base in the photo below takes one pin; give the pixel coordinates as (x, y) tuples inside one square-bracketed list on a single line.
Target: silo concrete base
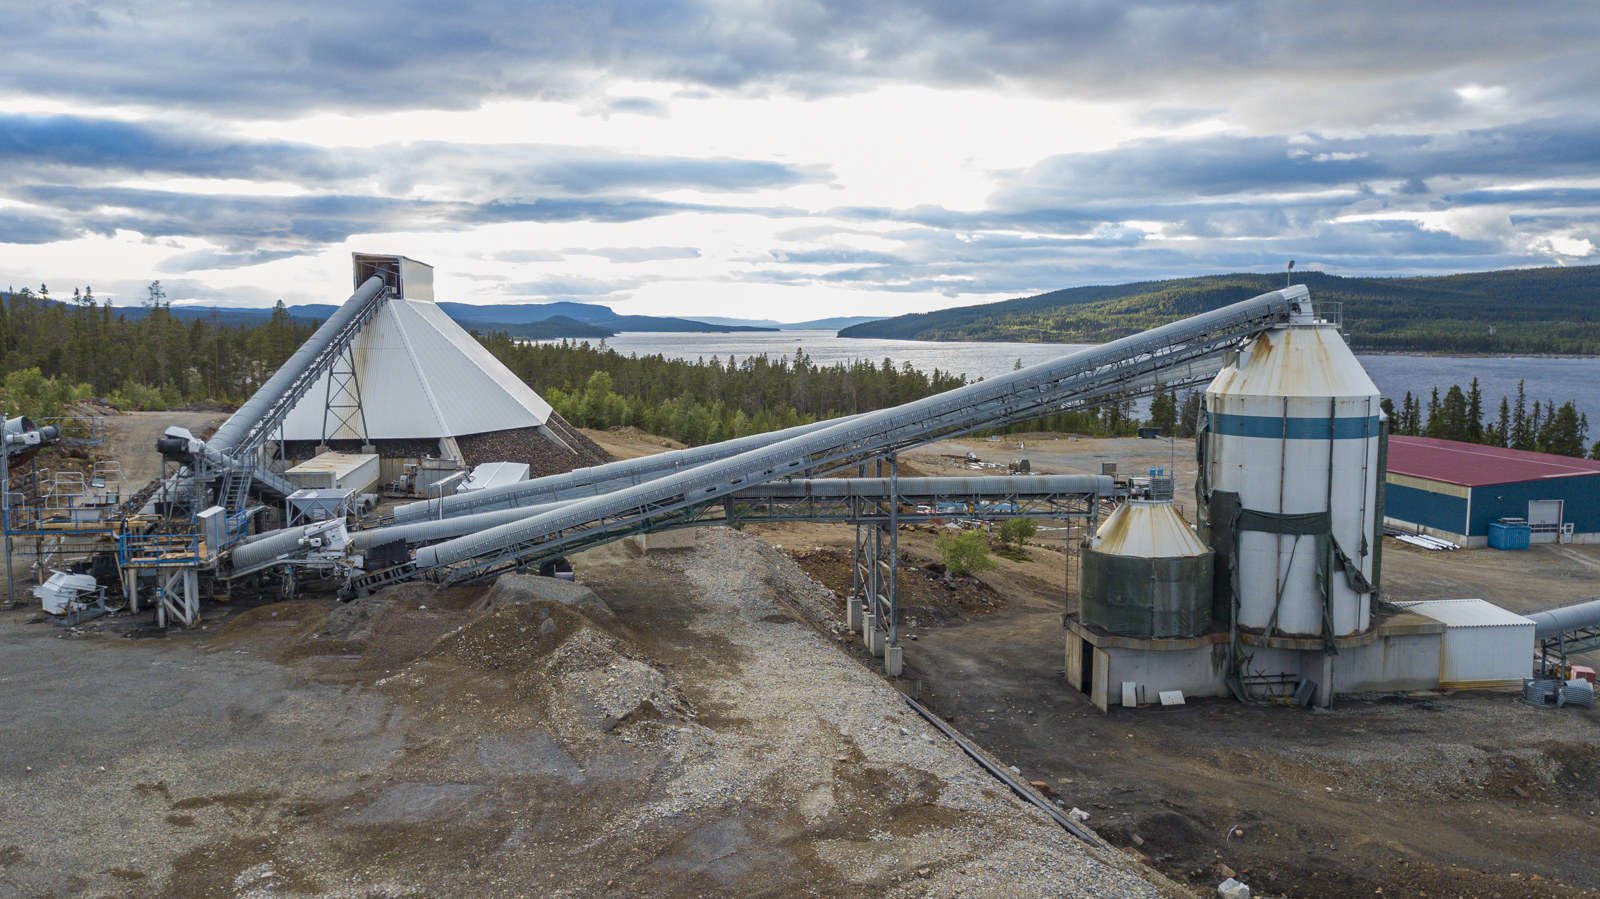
[(1400, 654)]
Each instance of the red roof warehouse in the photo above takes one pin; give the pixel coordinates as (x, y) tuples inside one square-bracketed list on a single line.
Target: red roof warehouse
[(1456, 490)]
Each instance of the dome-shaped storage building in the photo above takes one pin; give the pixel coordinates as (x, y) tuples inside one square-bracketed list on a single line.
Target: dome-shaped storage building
[(1146, 574)]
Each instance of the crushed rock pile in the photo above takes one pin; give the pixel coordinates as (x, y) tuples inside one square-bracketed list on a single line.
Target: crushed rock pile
[(556, 665)]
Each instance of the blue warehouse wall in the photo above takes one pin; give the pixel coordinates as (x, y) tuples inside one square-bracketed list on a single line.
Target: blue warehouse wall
[(1581, 508), (1431, 510)]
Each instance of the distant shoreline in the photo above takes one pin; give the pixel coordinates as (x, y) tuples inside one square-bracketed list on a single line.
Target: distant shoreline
[(1421, 354)]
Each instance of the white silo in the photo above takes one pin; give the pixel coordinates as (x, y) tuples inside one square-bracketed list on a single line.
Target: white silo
[(1293, 430)]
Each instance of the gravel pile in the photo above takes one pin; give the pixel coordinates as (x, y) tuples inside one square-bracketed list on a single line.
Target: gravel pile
[(592, 453), (543, 456), (886, 800), (580, 680)]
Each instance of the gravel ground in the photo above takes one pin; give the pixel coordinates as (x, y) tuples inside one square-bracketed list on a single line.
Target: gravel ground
[(703, 741), (821, 721)]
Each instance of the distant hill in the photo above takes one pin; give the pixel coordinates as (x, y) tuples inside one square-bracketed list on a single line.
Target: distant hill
[(588, 313), (601, 321), (1542, 310), (816, 324)]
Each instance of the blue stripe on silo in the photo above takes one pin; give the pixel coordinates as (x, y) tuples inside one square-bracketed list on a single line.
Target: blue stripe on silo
[(1298, 428), (1429, 509)]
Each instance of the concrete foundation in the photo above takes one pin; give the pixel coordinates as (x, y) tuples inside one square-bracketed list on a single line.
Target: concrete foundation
[(664, 541), (1400, 654)]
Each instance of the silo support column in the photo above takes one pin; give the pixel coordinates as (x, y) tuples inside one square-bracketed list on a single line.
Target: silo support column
[(1325, 699)]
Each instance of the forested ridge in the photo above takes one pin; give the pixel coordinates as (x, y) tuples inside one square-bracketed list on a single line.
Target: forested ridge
[(1544, 310), (53, 354)]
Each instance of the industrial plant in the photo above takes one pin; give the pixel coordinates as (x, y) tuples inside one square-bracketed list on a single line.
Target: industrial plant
[(393, 456), (1276, 591)]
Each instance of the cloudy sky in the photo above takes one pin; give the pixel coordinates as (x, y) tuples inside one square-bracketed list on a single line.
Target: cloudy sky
[(786, 160)]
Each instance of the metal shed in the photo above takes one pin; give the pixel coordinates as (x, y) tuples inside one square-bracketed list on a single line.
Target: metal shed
[(335, 471), (1483, 645)]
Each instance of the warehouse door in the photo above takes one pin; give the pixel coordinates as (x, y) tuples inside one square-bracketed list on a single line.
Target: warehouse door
[(1544, 520)]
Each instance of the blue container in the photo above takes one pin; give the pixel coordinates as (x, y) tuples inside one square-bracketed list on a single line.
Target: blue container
[(1509, 536)]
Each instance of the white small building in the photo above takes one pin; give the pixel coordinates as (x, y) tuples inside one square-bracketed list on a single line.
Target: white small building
[(1483, 645)]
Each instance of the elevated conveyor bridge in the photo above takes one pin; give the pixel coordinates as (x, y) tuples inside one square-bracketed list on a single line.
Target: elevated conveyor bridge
[(1187, 351)]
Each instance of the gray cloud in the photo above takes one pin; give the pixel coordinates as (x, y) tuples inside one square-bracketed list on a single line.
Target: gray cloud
[(1354, 62), (76, 150), (638, 254)]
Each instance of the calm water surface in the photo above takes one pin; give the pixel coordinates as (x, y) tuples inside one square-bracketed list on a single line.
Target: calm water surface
[(1547, 379)]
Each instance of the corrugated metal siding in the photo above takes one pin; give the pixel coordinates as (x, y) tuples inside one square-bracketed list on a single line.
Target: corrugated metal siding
[(423, 376), (1496, 501), (1483, 645), (1432, 510)]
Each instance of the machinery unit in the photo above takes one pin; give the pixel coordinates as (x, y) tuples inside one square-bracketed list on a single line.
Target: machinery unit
[(494, 474), (357, 472), (1146, 574), (1291, 467), (64, 593)]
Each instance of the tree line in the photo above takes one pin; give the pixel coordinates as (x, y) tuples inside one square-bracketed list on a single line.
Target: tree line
[(704, 401), (1545, 310), (55, 353), (1459, 415)]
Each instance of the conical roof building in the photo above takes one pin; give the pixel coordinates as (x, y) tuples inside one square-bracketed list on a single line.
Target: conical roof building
[(427, 387)]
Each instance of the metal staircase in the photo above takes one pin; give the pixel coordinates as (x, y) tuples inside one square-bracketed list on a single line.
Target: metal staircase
[(235, 490)]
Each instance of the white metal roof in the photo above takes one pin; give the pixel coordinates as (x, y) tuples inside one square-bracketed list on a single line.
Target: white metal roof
[(1466, 613), (1296, 362), (338, 464), (422, 375)]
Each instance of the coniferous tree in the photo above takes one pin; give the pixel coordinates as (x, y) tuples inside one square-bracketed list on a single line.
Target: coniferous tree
[(1522, 435), (1499, 433), (1474, 423)]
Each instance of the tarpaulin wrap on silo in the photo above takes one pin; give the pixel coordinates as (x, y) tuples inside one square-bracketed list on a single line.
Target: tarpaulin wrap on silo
[(1223, 520), (1136, 596)]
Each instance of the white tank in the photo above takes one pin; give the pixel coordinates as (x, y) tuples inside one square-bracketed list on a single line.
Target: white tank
[(1293, 429)]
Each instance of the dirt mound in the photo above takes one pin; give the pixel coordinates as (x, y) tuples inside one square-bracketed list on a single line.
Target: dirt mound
[(273, 630), (555, 663), (928, 596), (206, 406), (517, 589)]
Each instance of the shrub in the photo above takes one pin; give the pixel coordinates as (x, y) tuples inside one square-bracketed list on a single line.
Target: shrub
[(1016, 530), (965, 552)]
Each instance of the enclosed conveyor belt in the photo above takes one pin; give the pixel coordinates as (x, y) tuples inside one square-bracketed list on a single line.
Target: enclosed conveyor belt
[(1075, 380), (594, 481), (814, 499), (1552, 623), (260, 415)]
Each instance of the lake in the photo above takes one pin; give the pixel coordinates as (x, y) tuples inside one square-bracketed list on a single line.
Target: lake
[(1547, 379)]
